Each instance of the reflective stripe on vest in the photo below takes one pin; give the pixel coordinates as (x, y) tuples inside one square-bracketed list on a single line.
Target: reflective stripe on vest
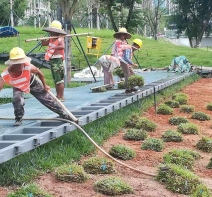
[(22, 82), (49, 53)]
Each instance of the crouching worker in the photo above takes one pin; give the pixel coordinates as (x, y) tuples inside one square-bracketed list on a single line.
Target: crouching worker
[(108, 64), (128, 63), (20, 74)]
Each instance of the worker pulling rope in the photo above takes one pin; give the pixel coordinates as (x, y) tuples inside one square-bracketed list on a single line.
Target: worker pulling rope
[(91, 140)]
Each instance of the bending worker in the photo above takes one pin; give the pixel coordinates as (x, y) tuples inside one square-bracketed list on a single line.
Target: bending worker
[(20, 74), (128, 64), (55, 56)]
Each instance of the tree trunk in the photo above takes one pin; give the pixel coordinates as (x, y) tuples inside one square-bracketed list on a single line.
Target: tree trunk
[(110, 14), (130, 14)]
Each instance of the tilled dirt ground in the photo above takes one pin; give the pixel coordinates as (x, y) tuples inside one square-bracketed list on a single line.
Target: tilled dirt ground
[(145, 186)]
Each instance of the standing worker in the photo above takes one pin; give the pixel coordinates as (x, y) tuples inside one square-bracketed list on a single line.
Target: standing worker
[(55, 56), (128, 64), (108, 64), (20, 74)]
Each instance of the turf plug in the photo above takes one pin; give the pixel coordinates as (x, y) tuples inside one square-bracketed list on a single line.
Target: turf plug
[(201, 191), (187, 108), (153, 144), (181, 98), (165, 110), (71, 173), (145, 124), (97, 165), (112, 186), (122, 152), (172, 136), (205, 144), (135, 134), (188, 128), (176, 120), (135, 80), (172, 103), (200, 116)]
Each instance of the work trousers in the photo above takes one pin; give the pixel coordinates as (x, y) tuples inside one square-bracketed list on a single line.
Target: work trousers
[(127, 73), (38, 91), (107, 75)]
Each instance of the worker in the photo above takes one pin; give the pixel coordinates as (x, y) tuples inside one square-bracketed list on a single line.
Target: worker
[(108, 64), (127, 64), (55, 56), (20, 74), (120, 43)]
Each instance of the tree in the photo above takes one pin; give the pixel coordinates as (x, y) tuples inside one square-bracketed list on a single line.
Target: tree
[(152, 14), (19, 7), (194, 17), (123, 13)]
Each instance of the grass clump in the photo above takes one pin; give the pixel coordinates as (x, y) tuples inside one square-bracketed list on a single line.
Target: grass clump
[(209, 166), (181, 98), (183, 158), (201, 191), (29, 190), (71, 173), (172, 136), (176, 120), (172, 103), (100, 89), (132, 120), (164, 109), (200, 116), (205, 144), (135, 134), (145, 124), (97, 165), (122, 152), (121, 85), (188, 128), (153, 144), (135, 80), (187, 108), (119, 72), (112, 186), (177, 179), (209, 106)]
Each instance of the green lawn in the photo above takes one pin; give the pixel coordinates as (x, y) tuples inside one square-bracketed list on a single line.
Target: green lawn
[(153, 53)]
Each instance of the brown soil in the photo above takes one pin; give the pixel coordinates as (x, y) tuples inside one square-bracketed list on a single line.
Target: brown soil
[(145, 186)]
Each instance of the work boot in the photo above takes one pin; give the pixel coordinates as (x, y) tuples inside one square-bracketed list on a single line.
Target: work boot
[(18, 122)]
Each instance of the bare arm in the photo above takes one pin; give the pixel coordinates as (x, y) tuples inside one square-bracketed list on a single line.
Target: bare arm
[(1, 83), (35, 70)]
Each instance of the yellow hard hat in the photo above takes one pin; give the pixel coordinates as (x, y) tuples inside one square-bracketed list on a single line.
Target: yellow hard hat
[(56, 24), (17, 53), (138, 42)]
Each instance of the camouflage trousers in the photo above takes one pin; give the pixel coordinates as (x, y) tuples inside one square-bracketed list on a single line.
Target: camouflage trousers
[(57, 70), (37, 90)]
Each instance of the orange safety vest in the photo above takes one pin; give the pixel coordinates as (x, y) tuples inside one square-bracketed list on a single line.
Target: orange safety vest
[(50, 52), (22, 82)]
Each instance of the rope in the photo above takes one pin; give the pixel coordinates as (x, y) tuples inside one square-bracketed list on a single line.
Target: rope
[(91, 140)]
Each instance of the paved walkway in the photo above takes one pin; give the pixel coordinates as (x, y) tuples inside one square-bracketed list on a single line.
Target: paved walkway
[(75, 98)]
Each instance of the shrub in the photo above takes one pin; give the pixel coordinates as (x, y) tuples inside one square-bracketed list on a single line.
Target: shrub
[(145, 124), (172, 136), (205, 144), (200, 116), (177, 179), (209, 166), (209, 106), (135, 134), (122, 152), (201, 191), (183, 158), (188, 128), (100, 89), (29, 190), (181, 98), (121, 85), (153, 144), (176, 120), (187, 108), (112, 186), (172, 103), (164, 109), (97, 165), (119, 72), (135, 80), (71, 173)]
